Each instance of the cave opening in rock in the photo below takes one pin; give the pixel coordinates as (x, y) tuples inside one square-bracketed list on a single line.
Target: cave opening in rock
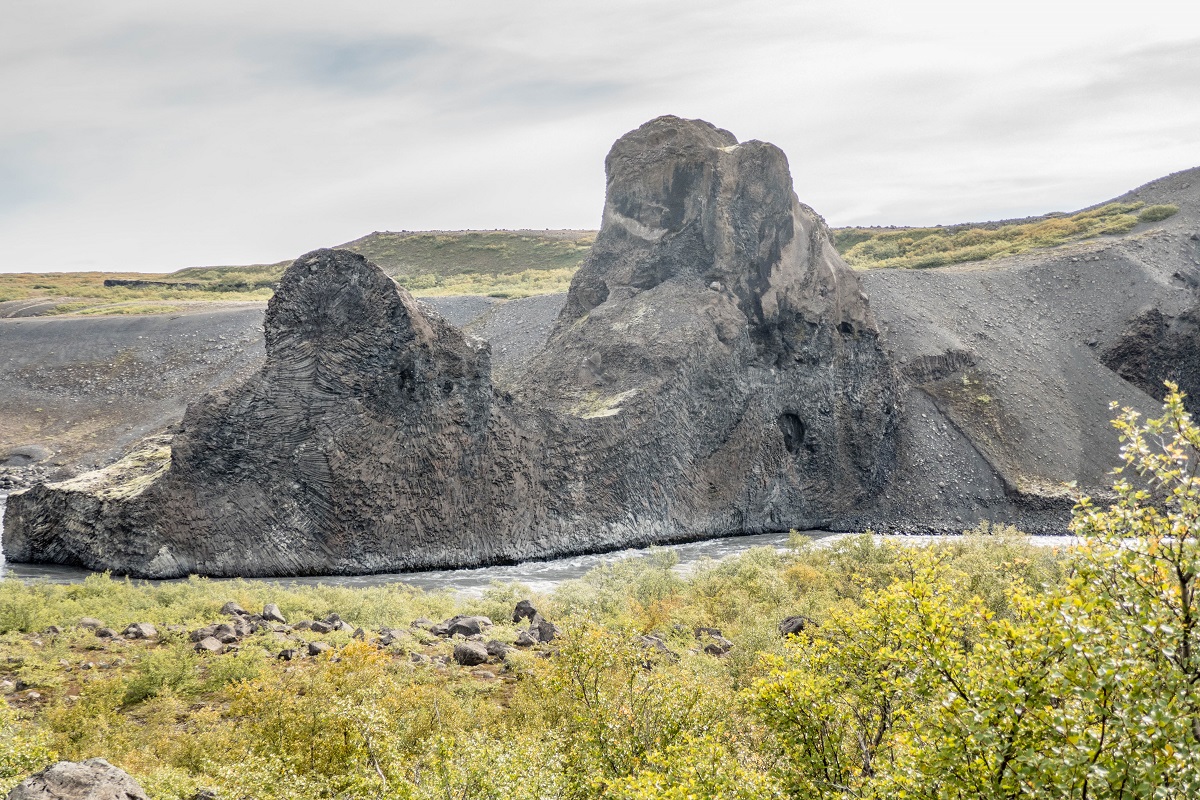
[(793, 431)]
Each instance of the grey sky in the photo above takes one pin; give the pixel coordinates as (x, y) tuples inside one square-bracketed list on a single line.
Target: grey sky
[(153, 136)]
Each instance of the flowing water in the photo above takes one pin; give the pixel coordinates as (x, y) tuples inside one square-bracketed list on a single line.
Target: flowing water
[(541, 576)]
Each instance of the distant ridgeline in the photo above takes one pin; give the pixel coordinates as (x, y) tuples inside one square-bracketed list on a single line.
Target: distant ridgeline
[(512, 264)]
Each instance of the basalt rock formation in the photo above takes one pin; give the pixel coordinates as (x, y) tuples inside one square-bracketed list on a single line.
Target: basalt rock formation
[(715, 370)]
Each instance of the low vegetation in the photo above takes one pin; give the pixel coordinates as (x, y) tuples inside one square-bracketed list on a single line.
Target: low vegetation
[(504, 264), (512, 264), (981, 667), (916, 248)]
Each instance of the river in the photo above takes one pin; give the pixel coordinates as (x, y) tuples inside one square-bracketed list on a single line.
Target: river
[(541, 576)]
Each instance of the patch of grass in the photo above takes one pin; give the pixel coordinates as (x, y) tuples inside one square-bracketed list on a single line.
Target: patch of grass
[(917, 248), (1157, 213)]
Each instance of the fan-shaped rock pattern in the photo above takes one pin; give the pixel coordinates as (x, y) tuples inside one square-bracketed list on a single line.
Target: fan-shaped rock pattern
[(715, 370)]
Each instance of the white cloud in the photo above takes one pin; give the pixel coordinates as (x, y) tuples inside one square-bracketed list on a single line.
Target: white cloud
[(152, 136)]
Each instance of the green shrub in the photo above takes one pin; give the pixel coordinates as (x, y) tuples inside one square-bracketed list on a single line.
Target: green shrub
[(23, 748), (167, 669), (1157, 213)]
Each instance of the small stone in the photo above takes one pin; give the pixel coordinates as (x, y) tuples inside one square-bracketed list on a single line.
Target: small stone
[(140, 630), (484, 674), (288, 655), (210, 645), (91, 623), (33, 696), (423, 623), (316, 648), (657, 645), (53, 630), (271, 613), (202, 633), (418, 658), (359, 633), (525, 639), (233, 609), (106, 633), (321, 627)]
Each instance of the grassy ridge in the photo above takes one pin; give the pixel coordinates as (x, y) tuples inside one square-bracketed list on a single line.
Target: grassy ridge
[(511, 264), (917, 248)]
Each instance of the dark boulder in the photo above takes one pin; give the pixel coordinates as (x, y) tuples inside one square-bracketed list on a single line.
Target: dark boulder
[(462, 626), (271, 613), (543, 630), (470, 654), (795, 625), (232, 609), (496, 649), (523, 611)]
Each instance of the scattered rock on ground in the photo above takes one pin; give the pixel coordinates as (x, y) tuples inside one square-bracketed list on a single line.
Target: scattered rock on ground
[(794, 625), (91, 623), (470, 654), (524, 611), (210, 644), (316, 648), (656, 644), (140, 630), (233, 609), (462, 626), (271, 613), (543, 629)]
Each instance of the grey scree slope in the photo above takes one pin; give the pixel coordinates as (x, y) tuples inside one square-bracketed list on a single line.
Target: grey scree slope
[(714, 370)]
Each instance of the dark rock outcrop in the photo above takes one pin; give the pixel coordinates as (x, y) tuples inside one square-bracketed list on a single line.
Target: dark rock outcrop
[(94, 779), (1155, 348), (716, 370)]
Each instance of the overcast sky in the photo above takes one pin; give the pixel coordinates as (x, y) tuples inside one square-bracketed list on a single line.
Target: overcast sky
[(157, 135)]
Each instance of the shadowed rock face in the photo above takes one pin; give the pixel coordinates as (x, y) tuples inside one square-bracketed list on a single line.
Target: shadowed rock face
[(715, 370), (714, 351)]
